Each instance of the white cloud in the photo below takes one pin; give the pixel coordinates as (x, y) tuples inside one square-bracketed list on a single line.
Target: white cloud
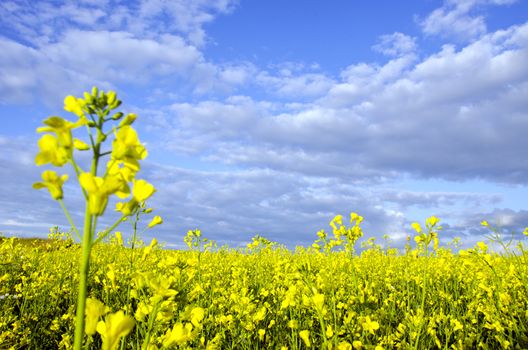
[(454, 23), (183, 16), (456, 114), (108, 44), (291, 85), (43, 22), (120, 56), (395, 44), (209, 77), (82, 59), (459, 18)]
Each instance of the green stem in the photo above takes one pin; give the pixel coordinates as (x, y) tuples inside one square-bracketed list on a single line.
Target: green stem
[(150, 326), (108, 230), (83, 280), (78, 173), (70, 219), (90, 223)]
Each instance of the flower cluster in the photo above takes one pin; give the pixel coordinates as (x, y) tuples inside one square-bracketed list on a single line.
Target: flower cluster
[(58, 144)]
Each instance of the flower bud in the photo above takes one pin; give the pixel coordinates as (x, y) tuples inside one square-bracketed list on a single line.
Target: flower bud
[(87, 97), (114, 105), (111, 97), (117, 116), (80, 145), (129, 119)]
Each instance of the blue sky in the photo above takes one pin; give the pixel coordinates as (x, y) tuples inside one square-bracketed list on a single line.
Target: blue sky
[(271, 117)]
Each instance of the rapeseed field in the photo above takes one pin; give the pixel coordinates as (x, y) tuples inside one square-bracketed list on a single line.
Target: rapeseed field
[(264, 296)]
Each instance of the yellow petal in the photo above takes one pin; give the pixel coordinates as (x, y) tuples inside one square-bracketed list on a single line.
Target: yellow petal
[(88, 182), (42, 158), (157, 220), (74, 105), (128, 136), (39, 185), (115, 326), (305, 336), (142, 190), (56, 122), (416, 226), (48, 142), (197, 315), (432, 221), (97, 203), (93, 311), (80, 145)]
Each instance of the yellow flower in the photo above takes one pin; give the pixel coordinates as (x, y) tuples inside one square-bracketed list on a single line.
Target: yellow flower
[(338, 219), (293, 324), (128, 207), (119, 238), (482, 246), (456, 325), (370, 326), (484, 223), (525, 232), (329, 331), (432, 221), (126, 148), (53, 183), (74, 105), (355, 217), (114, 327), (197, 315), (416, 226), (94, 309), (62, 128), (434, 236), (51, 152), (148, 249), (80, 145), (318, 301), (178, 335), (157, 220), (99, 189), (357, 344), (142, 190), (305, 336), (116, 168), (344, 345)]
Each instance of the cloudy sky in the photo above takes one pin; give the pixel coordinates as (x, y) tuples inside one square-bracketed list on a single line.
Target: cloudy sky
[(270, 117)]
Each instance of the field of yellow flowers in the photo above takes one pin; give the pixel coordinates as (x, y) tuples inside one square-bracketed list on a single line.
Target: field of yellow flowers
[(264, 296)]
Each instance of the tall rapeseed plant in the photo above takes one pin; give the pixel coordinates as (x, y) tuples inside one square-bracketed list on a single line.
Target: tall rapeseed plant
[(117, 178)]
